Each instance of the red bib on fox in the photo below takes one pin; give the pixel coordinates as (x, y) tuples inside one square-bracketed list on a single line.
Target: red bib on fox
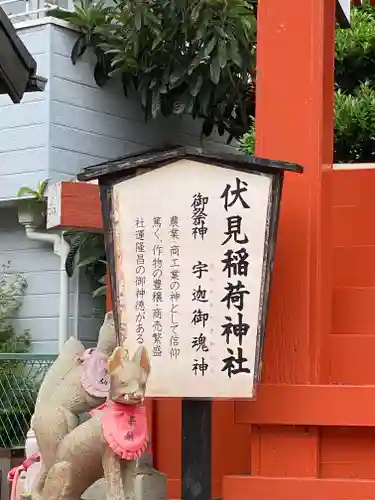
[(124, 429)]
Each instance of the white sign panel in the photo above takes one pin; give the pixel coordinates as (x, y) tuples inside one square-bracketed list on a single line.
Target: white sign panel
[(189, 241)]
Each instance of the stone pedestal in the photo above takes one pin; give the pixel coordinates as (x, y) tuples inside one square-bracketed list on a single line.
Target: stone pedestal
[(142, 483)]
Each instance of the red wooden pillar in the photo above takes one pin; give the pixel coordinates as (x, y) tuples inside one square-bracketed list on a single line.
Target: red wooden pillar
[(294, 122), (108, 297)]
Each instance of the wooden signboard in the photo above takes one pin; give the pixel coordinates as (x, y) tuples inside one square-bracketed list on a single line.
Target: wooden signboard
[(192, 244)]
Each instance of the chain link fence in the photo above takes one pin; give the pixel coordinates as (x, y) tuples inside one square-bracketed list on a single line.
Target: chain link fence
[(20, 378)]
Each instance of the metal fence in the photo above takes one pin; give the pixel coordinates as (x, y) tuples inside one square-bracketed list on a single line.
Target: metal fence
[(20, 378)]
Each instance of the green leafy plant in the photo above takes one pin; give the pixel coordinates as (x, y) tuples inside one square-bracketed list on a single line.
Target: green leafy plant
[(17, 381), (37, 194), (87, 251), (12, 290), (18, 393), (354, 132), (192, 57), (247, 142), (32, 205), (354, 49), (354, 126), (354, 139), (88, 17)]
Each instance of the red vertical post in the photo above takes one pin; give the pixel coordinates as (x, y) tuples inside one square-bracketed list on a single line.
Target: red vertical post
[(108, 295), (294, 122)]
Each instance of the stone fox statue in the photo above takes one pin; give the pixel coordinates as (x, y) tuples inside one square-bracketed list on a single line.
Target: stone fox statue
[(76, 383), (109, 443)]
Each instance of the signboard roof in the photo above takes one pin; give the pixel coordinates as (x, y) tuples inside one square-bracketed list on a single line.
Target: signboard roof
[(156, 158)]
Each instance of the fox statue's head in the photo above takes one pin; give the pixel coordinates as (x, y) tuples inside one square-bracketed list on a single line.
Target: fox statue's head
[(128, 376)]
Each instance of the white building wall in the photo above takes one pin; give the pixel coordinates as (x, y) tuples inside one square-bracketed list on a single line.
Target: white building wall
[(54, 134)]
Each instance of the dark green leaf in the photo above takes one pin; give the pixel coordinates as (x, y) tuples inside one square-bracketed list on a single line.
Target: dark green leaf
[(100, 74), (176, 75), (207, 127), (78, 48), (153, 83), (194, 64), (210, 46), (155, 107), (196, 85), (222, 54), (163, 88), (125, 83), (179, 107), (205, 99), (215, 70), (138, 19), (100, 291), (148, 106), (156, 42), (189, 105), (221, 32), (234, 54), (195, 12)]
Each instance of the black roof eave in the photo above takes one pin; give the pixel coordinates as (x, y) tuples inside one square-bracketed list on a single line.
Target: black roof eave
[(25, 78), (129, 164), (17, 43)]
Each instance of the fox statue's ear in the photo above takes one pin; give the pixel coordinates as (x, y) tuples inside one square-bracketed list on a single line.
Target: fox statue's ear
[(114, 361), (141, 357)]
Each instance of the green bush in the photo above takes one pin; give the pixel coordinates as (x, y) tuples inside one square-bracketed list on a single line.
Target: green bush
[(15, 393), (354, 139), (355, 125), (247, 142), (354, 129), (12, 290), (192, 57)]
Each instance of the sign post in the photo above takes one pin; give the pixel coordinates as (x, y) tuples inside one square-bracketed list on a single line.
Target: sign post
[(190, 247)]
